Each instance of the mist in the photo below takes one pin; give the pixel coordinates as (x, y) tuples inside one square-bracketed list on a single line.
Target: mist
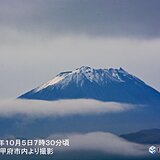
[(36, 108), (103, 142)]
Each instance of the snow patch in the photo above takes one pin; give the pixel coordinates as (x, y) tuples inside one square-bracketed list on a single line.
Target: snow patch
[(98, 76), (50, 83)]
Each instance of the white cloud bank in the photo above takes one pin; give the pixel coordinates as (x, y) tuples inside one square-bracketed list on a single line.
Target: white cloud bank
[(104, 142), (101, 142), (59, 108)]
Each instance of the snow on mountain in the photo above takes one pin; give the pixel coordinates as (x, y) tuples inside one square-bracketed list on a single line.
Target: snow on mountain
[(100, 84), (98, 76)]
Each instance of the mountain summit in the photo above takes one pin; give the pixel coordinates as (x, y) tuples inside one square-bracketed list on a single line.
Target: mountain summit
[(101, 84)]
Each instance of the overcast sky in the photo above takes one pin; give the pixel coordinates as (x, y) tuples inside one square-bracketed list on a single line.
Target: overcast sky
[(39, 39)]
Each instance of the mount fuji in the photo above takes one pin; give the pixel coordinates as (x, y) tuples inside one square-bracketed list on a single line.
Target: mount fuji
[(116, 85), (107, 85)]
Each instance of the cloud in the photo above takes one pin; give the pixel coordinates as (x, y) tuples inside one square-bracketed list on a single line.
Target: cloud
[(95, 18), (104, 142), (59, 108)]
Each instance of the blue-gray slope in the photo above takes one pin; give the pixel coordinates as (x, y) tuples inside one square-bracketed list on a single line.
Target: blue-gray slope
[(111, 85)]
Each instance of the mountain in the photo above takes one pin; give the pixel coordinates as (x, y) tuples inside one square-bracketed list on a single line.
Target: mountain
[(101, 84), (150, 136)]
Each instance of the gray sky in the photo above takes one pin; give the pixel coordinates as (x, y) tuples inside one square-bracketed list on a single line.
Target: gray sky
[(39, 39)]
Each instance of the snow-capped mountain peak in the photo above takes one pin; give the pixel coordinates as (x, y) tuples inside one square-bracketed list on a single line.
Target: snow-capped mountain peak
[(93, 75), (100, 84)]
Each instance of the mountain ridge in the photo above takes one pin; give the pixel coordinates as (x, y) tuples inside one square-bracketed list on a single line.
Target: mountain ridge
[(101, 84), (146, 136)]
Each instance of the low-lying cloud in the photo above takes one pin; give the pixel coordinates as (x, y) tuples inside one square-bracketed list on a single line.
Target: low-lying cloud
[(59, 108), (101, 142), (105, 142)]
